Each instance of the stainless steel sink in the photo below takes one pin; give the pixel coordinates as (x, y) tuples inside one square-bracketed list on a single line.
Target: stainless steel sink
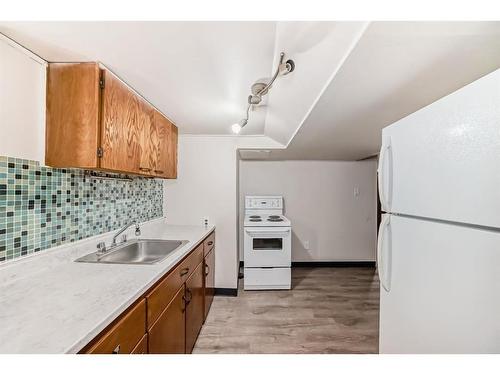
[(135, 252)]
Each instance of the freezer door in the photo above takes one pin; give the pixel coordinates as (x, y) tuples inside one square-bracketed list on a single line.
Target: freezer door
[(443, 161), (442, 293)]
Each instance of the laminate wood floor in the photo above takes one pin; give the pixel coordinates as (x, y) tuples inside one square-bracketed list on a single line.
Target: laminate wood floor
[(329, 310)]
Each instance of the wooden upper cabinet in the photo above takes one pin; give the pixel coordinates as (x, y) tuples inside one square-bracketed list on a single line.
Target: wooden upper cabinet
[(124, 117), (95, 121), (72, 115), (167, 148), (150, 142)]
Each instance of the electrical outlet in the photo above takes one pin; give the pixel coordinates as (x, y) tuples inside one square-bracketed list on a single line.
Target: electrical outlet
[(356, 191), (306, 245), (206, 222)]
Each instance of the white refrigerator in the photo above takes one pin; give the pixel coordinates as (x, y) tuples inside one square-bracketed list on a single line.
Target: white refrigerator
[(439, 240)]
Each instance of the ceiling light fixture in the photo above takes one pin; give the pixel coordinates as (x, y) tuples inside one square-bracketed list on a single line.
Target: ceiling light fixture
[(259, 89), (236, 128)]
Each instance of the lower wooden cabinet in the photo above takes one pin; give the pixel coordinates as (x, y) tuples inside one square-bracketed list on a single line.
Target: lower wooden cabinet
[(167, 335), (142, 346), (195, 313), (209, 263), (123, 336), (168, 317)]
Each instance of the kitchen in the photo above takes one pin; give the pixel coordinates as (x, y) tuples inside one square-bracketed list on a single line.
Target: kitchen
[(227, 213)]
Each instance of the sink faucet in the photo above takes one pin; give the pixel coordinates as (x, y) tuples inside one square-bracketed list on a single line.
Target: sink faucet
[(101, 246), (137, 231)]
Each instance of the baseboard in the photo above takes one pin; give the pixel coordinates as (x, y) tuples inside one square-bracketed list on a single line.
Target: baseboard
[(232, 292), (350, 263), (354, 263)]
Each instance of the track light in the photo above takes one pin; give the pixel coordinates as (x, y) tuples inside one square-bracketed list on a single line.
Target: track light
[(262, 87)]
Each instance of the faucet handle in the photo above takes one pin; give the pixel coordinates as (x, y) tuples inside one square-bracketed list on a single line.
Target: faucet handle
[(124, 238), (101, 246), (137, 230)]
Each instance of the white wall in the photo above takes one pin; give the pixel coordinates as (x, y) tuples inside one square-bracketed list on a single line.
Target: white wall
[(206, 185), (320, 201), (22, 103)]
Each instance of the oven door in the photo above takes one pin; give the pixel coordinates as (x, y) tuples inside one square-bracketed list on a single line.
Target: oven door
[(268, 247)]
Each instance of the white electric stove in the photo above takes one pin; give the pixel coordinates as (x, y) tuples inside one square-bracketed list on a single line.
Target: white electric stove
[(267, 244)]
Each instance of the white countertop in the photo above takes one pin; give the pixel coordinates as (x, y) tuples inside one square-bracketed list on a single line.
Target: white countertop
[(51, 304)]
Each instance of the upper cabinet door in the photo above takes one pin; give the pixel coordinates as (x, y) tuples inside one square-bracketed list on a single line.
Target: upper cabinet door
[(149, 139), (72, 123), (122, 124), (167, 150)]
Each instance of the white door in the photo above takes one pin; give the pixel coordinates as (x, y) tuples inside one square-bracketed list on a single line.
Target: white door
[(440, 288), (443, 161)]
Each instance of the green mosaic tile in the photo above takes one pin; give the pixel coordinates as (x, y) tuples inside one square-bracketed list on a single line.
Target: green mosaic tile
[(42, 207)]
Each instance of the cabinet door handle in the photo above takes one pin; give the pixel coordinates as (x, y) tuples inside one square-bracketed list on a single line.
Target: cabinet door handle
[(144, 169), (210, 243), (116, 350), (184, 271), (158, 171), (188, 298), (207, 269), (185, 303)]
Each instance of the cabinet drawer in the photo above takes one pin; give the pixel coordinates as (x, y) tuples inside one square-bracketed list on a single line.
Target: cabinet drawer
[(160, 297), (122, 336), (142, 346), (209, 243)]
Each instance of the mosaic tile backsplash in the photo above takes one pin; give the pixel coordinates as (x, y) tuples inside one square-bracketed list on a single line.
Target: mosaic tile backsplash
[(43, 207)]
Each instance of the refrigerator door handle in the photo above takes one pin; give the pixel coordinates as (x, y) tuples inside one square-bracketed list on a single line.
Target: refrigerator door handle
[(384, 274), (384, 200)]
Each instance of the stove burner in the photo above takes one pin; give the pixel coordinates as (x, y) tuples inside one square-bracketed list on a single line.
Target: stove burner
[(256, 219), (274, 219), (274, 216)]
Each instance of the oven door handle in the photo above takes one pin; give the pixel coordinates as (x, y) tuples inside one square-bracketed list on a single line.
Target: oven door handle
[(274, 232)]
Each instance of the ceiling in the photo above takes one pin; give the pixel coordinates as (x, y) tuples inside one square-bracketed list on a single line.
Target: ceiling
[(197, 73), (395, 69), (351, 78), (318, 50)]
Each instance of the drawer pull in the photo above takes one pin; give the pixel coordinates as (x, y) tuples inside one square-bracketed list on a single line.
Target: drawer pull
[(159, 172), (144, 169), (210, 243), (184, 271), (116, 350)]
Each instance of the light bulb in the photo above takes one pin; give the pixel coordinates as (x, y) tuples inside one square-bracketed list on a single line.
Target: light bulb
[(236, 128)]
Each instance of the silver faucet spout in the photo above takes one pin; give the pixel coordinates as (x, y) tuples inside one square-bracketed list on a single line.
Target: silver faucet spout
[(137, 231)]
